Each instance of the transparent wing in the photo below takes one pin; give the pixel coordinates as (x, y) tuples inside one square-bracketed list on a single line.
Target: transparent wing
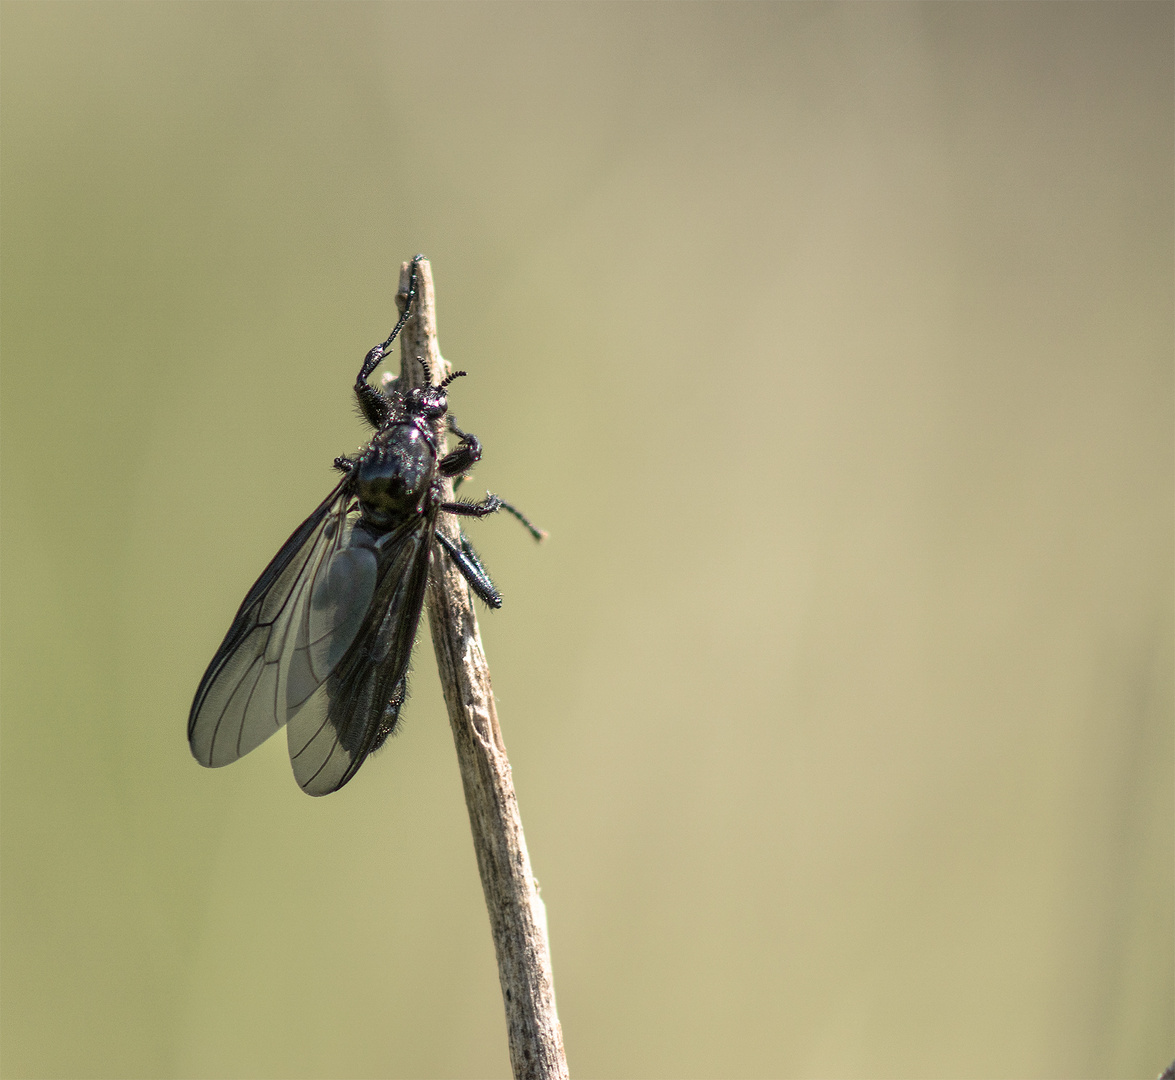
[(357, 707), (291, 631)]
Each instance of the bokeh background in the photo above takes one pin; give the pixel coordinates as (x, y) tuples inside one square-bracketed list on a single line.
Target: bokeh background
[(832, 344)]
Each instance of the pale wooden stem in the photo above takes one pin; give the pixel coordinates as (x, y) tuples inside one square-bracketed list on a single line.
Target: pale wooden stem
[(517, 916)]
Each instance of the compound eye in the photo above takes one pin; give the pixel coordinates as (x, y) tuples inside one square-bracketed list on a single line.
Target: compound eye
[(433, 403)]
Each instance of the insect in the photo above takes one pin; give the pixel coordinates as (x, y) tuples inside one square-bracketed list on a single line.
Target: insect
[(321, 643)]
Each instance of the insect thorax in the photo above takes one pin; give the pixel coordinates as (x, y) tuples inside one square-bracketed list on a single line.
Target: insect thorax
[(395, 472)]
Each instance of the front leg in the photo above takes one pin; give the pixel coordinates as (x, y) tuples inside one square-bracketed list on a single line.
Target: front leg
[(374, 405), (461, 460)]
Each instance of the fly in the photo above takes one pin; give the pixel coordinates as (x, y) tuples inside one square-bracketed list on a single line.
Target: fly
[(322, 642)]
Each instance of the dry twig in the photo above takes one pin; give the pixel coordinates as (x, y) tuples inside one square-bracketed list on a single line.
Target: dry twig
[(517, 916)]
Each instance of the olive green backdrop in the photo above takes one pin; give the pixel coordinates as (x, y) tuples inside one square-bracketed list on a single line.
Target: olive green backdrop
[(832, 344)]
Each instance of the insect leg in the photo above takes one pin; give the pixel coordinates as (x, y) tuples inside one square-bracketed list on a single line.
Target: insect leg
[(372, 403), (464, 457), (534, 530), (466, 560), (491, 504)]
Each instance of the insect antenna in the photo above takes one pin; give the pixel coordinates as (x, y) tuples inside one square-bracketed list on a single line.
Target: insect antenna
[(450, 377)]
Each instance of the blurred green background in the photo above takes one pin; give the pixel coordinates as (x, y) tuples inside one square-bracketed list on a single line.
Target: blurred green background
[(833, 345)]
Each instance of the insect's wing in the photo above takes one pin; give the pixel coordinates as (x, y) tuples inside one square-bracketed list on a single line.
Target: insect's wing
[(359, 704), (291, 630)]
